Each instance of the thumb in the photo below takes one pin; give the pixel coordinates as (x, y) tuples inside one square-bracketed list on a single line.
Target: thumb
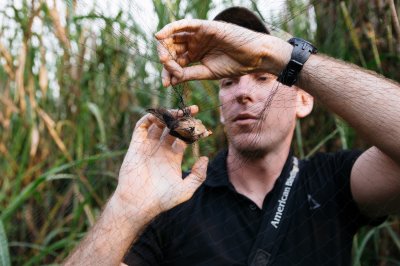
[(196, 177)]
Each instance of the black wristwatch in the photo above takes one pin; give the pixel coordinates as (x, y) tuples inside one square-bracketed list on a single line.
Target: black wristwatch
[(300, 54)]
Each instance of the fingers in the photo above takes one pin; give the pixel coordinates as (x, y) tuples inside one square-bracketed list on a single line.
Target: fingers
[(168, 50), (155, 132), (194, 109), (196, 177), (173, 57), (180, 48), (173, 73), (187, 25), (142, 126), (197, 72), (163, 52), (174, 69), (182, 37), (174, 52), (178, 146), (183, 60), (165, 78)]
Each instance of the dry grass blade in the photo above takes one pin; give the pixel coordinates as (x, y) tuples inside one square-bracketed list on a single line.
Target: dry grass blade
[(77, 71), (31, 91), (35, 137), (9, 104), (6, 154), (8, 66), (50, 125), (59, 30), (43, 75), (20, 76), (86, 207)]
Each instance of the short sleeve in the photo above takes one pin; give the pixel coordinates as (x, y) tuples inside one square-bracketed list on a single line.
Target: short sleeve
[(147, 250), (344, 162), (334, 172)]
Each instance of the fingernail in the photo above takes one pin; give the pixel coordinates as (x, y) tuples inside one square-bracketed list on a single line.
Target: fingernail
[(174, 81), (204, 161)]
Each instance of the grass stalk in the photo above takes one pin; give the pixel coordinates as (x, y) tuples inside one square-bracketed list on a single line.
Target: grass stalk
[(353, 34), (322, 142), (341, 126), (372, 38), (395, 18), (8, 66), (4, 253), (31, 188), (299, 139)]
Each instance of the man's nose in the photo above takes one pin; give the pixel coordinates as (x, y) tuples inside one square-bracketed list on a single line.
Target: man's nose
[(242, 93)]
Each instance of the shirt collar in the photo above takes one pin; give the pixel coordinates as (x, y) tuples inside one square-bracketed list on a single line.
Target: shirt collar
[(217, 171)]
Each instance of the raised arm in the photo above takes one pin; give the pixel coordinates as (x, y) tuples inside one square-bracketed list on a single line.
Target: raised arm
[(150, 182), (367, 101), (371, 104), (196, 49)]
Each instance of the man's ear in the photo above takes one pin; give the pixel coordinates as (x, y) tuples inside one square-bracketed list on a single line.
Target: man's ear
[(305, 103), (221, 116)]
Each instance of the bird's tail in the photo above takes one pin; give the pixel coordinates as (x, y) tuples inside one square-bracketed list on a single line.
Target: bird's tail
[(163, 115)]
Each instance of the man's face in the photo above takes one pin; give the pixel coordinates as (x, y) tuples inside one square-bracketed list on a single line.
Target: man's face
[(258, 112)]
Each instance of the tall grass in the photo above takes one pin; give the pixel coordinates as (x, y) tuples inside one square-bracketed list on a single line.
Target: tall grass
[(73, 85)]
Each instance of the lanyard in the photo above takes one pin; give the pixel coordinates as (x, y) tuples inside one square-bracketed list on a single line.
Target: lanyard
[(267, 241)]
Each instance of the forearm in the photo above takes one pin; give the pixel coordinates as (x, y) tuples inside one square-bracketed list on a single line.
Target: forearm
[(109, 239), (367, 101)]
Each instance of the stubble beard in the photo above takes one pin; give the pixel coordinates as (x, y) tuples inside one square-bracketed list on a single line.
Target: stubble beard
[(251, 147), (252, 154)]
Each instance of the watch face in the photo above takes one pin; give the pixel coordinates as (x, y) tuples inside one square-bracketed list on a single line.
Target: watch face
[(298, 41)]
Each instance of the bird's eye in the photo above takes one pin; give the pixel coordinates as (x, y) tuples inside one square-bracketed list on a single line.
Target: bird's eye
[(191, 129)]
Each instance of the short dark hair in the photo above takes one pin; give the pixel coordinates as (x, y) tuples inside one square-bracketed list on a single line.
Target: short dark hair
[(242, 17)]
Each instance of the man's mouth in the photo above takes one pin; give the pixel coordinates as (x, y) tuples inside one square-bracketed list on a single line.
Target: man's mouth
[(245, 118)]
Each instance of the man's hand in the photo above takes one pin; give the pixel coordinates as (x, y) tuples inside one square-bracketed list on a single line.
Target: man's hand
[(151, 175), (220, 49), (150, 182)]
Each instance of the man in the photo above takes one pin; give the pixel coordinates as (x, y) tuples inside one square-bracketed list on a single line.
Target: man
[(259, 205)]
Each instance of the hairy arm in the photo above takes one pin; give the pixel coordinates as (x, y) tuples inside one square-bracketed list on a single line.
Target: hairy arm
[(367, 101), (109, 239), (371, 104)]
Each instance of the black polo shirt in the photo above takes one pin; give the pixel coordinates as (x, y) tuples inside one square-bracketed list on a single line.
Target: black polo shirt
[(218, 226)]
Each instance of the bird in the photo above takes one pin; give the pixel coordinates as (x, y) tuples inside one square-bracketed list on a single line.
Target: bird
[(186, 127)]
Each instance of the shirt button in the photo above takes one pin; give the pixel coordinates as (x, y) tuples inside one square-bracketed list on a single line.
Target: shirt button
[(253, 207)]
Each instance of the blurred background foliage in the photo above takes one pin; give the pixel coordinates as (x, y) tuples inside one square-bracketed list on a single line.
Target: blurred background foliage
[(73, 83)]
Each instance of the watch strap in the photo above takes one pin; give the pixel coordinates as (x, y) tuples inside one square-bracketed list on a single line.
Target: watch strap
[(300, 54)]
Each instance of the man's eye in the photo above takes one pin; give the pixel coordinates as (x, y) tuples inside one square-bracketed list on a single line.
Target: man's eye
[(262, 78), (227, 83)]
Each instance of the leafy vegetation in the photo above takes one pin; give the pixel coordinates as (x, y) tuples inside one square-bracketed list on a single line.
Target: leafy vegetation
[(74, 81)]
